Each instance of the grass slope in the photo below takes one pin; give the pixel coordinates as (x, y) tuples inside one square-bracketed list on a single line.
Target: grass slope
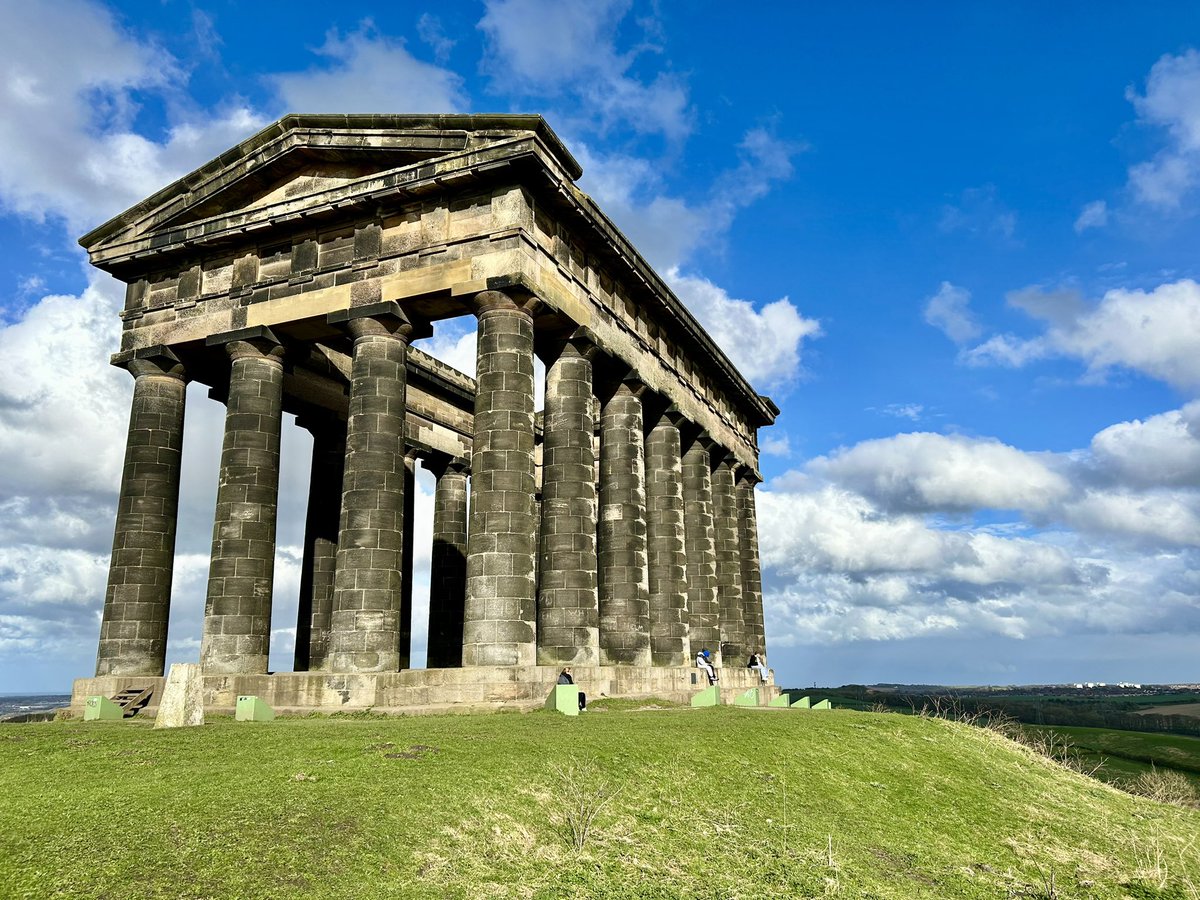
[(715, 803)]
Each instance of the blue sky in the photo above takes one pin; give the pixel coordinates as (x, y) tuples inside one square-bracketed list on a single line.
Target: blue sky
[(954, 243)]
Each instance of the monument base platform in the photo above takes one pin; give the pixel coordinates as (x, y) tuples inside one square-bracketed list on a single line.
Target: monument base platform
[(417, 691)]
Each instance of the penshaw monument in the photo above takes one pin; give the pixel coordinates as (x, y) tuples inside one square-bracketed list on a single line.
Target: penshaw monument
[(614, 531)]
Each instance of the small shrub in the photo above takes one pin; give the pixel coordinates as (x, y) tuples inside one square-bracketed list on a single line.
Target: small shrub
[(1165, 786), (582, 797)]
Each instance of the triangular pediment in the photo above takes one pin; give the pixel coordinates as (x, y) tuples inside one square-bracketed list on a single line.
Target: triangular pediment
[(306, 160)]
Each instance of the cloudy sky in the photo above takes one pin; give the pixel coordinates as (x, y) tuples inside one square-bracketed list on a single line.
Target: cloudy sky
[(956, 244)]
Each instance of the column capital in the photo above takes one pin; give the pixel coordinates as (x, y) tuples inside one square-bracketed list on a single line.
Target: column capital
[(381, 319), (663, 412), (580, 342), (257, 341), (156, 360), (749, 475), (490, 301), (722, 458), (439, 464)]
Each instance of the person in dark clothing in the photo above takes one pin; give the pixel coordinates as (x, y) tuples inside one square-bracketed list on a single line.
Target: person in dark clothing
[(565, 678), (758, 661)]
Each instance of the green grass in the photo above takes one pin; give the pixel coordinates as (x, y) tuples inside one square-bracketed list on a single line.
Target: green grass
[(714, 803)]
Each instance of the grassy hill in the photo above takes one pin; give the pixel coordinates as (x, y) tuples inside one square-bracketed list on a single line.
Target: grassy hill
[(714, 803), (1124, 753)]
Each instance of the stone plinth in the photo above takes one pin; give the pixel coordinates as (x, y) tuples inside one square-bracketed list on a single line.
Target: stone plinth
[(182, 701)]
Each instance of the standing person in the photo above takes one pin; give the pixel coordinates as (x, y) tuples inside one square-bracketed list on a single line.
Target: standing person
[(704, 661), (564, 677), (758, 661)]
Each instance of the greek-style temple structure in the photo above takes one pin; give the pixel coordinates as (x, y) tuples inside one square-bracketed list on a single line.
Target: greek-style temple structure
[(613, 531)]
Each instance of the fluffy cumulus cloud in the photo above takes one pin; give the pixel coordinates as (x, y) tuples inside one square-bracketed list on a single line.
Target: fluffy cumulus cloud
[(765, 344), (370, 72), (1170, 103), (72, 77), (565, 52), (925, 534), (930, 472), (1155, 333)]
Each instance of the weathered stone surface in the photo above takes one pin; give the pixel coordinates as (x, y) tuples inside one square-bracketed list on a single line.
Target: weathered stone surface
[(237, 610), (752, 598), (704, 618), (365, 624), (624, 581), (669, 643), (182, 703), (321, 233), (133, 630), (448, 564), (734, 649), (567, 614), (501, 542), (320, 541)]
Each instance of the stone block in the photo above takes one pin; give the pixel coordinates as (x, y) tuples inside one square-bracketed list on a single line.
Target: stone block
[(802, 703), (710, 696), (98, 708), (182, 703), (253, 709), (564, 698), (747, 698), (822, 704), (783, 701)]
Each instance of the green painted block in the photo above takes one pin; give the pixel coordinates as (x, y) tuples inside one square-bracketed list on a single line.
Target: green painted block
[(747, 698), (822, 704), (802, 703), (100, 709), (564, 699), (710, 696), (784, 700), (253, 709)]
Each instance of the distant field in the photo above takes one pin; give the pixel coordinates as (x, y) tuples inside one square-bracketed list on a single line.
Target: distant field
[(1175, 709), (1125, 754)]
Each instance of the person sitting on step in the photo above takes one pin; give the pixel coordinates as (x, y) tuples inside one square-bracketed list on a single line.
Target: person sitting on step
[(758, 661), (704, 661)]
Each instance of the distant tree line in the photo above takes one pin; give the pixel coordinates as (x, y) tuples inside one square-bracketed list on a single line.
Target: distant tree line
[(1086, 712)]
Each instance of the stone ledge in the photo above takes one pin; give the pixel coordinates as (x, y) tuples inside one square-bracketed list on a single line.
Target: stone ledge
[(427, 691)]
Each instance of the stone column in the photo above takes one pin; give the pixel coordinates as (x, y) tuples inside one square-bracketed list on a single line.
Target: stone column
[(704, 620), (133, 630), (669, 645), (237, 611), (448, 564), (752, 599), (624, 581), (500, 613), (729, 562), (567, 612), (404, 644), (320, 539), (365, 623)]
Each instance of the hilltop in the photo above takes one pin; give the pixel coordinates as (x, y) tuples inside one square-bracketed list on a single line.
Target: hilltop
[(716, 803)]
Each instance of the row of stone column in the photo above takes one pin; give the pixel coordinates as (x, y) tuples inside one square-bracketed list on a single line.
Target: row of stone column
[(661, 561)]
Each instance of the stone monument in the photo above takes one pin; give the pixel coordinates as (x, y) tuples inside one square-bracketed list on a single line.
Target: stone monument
[(613, 531)]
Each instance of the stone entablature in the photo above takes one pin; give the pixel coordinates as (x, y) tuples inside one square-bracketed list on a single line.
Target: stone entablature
[(292, 273)]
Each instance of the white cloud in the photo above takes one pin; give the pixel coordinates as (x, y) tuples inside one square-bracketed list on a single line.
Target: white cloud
[(1093, 215), (1162, 450), (1156, 333), (927, 472), (370, 72), (775, 445), (911, 411), (949, 310), (70, 73), (566, 51), (1171, 102), (765, 344)]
